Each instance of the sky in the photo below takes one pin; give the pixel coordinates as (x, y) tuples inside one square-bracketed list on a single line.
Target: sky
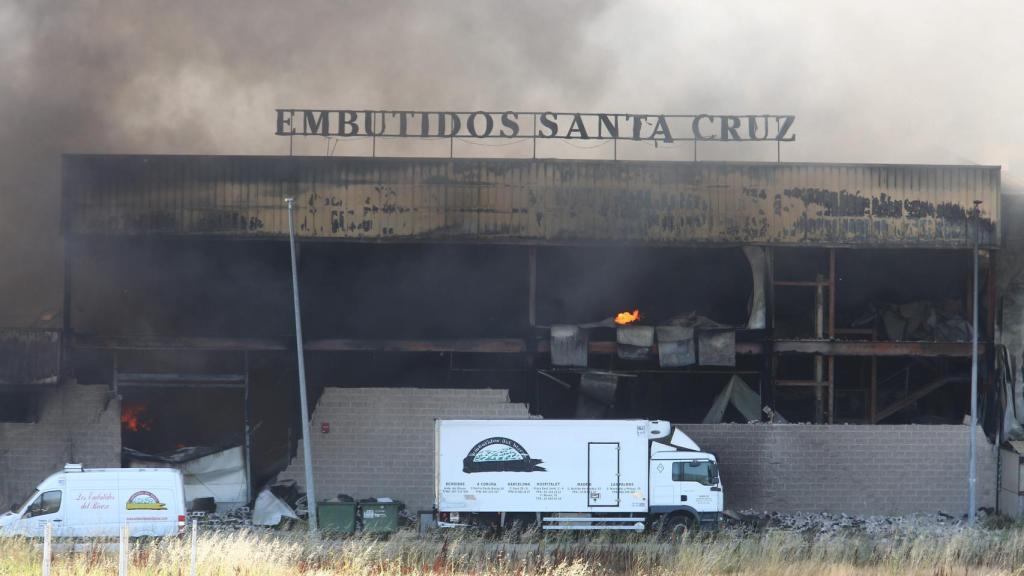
[(869, 81)]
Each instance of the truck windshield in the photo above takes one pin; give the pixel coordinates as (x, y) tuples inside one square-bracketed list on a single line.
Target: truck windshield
[(701, 471)]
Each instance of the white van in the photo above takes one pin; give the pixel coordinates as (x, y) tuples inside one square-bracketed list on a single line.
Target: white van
[(96, 502)]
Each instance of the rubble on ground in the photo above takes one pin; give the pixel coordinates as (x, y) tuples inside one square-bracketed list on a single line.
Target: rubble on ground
[(828, 524), (235, 519)]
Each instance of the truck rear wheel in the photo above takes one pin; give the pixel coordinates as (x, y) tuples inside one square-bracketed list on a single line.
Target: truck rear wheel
[(520, 521)]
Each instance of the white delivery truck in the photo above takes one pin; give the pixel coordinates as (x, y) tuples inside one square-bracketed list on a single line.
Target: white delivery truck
[(573, 475), (96, 502)]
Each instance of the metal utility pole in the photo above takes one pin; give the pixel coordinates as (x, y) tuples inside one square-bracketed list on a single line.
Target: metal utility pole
[(973, 471), (307, 454)]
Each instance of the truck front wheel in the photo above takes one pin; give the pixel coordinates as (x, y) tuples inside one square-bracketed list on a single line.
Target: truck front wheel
[(676, 525)]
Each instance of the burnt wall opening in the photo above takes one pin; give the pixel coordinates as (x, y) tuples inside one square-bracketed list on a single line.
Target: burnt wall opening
[(173, 286), (375, 313), (20, 406), (578, 285), (867, 278), (232, 288), (172, 400), (161, 420), (885, 296), (413, 290), (186, 404)]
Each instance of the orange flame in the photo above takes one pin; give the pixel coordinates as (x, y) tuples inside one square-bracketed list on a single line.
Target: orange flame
[(623, 318), (133, 417)]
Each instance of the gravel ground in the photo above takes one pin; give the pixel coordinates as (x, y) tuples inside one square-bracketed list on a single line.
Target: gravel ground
[(824, 523), (745, 522)]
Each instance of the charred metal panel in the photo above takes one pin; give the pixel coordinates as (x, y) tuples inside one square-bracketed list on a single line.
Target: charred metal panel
[(635, 342), (29, 357), (534, 201), (569, 345), (676, 346), (716, 347)]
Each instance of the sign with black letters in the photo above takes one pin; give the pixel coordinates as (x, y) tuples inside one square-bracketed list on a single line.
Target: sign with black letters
[(659, 128)]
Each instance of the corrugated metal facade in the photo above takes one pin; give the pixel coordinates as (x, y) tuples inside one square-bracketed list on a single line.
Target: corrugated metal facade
[(29, 357), (534, 201)]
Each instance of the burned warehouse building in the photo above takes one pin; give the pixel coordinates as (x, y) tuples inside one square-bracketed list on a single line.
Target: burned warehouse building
[(809, 323)]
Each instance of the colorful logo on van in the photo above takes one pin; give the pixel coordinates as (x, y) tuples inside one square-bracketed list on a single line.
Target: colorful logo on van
[(143, 500), (499, 455)]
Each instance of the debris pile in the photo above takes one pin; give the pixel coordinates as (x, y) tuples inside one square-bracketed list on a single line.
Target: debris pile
[(834, 524), (235, 519), (278, 504), (918, 321)]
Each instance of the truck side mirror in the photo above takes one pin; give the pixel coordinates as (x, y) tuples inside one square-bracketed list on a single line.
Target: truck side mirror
[(14, 508)]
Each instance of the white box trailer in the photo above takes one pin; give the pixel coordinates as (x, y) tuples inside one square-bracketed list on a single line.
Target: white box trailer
[(573, 474)]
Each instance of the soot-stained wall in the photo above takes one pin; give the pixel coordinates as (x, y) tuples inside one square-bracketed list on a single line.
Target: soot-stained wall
[(532, 200), (76, 424)]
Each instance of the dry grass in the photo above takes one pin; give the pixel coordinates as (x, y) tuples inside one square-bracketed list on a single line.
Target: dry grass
[(405, 554)]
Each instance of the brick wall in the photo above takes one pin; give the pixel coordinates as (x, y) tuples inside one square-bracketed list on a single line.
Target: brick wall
[(381, 441), (852, 469), (381, 444), (75, 425)]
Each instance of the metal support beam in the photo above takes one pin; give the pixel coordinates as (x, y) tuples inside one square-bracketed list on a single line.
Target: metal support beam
[(873, 392), (803, 283), (802, 383), (80, 341), (973, 472), (518, 346), (232, 380), (770, 359), (532, 271), (69, 256), (819, 362), (831, 293), (114, 383), (915, 396), (988, 380), (873, 348), (831, 334), (469, 345), (248, 436), (609, 347)]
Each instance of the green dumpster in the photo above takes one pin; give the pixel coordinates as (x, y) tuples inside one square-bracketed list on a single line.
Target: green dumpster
[(379, 517), (336, 517)]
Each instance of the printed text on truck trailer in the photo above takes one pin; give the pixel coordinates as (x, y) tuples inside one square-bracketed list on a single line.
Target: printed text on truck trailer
[(573, 475)]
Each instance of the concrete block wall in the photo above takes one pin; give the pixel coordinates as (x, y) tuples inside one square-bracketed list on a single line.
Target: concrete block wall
[(381, 444), (75, 425), (851, 469), (381, 440)]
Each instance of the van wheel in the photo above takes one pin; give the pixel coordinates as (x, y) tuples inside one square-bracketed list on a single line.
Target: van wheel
[(676, 526)]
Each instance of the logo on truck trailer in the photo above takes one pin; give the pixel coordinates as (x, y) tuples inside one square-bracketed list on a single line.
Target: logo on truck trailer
[(143, 500), (500, 454)]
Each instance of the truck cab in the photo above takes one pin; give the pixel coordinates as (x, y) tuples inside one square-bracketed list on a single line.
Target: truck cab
[(685, 485)]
